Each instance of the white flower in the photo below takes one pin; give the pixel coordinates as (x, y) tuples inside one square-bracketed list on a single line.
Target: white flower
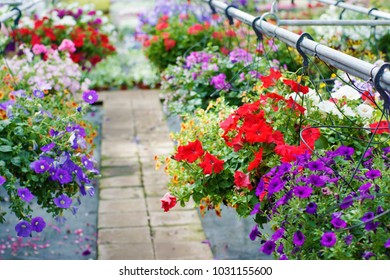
[(348, 111), (329, 107), (346, 91), (313, 96), (67, 20), (365, 111)]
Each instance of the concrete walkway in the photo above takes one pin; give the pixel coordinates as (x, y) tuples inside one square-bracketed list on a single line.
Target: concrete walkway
[(131, 223)]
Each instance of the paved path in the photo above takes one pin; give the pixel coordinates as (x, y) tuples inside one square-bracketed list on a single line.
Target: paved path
[(131, 224)]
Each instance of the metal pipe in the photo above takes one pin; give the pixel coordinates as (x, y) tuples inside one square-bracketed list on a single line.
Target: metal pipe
[(342, 61), (11, 2), (23, 7), (359, 9), (296, 22)]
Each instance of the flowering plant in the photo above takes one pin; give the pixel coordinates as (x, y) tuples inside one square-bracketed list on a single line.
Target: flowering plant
[(205, 75), (83, 27), (175, 35), (46, 153), (222, 154), (56, 75), (327, 207)]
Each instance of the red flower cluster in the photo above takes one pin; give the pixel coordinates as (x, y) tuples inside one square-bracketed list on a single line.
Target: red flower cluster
[(193, 151), (241, 180), (380, 127), (249, 124), (91, 44)]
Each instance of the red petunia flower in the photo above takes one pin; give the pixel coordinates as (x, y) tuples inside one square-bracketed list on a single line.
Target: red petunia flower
[(271, 79), (296, 87), (195, 29), (169, 44), (190, 152), (380, 127), (162, 25), (259, 132), (256, 162), (241, 180), (168, 201), (217, 35), (289, 153), (311, 135), (230, 33), (211, 164)]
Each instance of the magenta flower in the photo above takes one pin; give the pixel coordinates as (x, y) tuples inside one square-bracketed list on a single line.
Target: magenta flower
[(219, 82), (328, 239), (298, 238), (63, 201), (90, 96), (302, 191), (338, 223), (347, 202), (268, 247), (278, 234), (67, 45), (39, 49), (25, 194), (387, 244), (367, 217), (372, 174), (38, 224), (23, 229)]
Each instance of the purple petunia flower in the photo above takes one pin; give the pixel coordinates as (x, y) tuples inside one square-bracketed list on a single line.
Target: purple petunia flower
[(347, 202), (379, 210), (40, 166), (338, 223), (316, 180), (23, 229), (365, 187), (298, 238), (63, 201), (256, 209), (219, 82), (63, 176), (368, 255), (371, 226), (88, 164), (316, 165), (260, 187), (311, 208), (387, 244), (25, 194), (302, 191), (372, 174), (38, 224), (367, 217), (239, 55), (254, 233), (268, 247), (280, 249), (344, 151), (328, 239), (2, 180), (38, 93), (283, 258), (348, 239), (277, 234), (90, 96), (48, 147), (275, 185)]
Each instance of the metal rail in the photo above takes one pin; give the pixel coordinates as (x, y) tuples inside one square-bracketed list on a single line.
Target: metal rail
[(15, 12), (368, 11), (342, 61), (304, 22)]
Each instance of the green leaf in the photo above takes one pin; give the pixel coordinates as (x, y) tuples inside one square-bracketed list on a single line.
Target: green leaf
[(16, 161), (5, 148)]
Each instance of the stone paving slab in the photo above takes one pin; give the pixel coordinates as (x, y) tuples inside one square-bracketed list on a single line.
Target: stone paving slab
[(131, 223)]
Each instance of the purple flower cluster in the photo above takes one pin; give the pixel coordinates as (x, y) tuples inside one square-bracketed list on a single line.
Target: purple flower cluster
[(315, 183), (240, 55), (202, 58), (24, 228), (219, 82)]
